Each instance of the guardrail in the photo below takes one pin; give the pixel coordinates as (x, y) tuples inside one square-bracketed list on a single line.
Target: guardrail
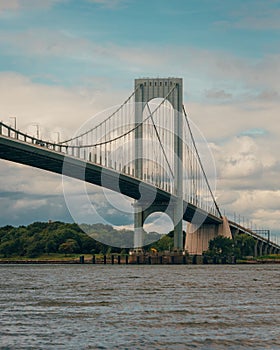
[(8, 131), (255, 235)]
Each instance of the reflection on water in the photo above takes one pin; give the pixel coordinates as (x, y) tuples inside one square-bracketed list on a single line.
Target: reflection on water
[(139, 307)]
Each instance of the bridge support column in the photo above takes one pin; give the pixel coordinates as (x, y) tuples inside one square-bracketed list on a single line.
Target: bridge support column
[(261, 249), (197, 239), (256, 249), (234, 232), (138, 227), (265, 249), (178, 228), (138, 214), (178, 162)]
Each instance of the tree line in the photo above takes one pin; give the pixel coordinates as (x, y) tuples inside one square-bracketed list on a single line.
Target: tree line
[(240, 246), (41, 238)]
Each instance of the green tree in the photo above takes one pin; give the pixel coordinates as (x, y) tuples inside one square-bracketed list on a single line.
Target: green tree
[(50, 246), (165, 243), (245, 244), (35, 248), (221, 246), (69, 247), (47, 237), (9, 248)]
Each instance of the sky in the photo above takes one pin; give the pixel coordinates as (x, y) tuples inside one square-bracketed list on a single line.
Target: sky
[(63, 61)]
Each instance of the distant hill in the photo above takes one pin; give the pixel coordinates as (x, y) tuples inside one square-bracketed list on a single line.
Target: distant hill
[(117, 238)]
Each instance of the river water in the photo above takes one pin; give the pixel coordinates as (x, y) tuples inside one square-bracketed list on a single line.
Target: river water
[(140, 307)]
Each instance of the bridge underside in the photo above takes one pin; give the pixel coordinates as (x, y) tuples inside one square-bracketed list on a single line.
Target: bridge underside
[(43, 158)]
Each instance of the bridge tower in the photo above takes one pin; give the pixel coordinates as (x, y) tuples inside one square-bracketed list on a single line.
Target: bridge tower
[(171, 89)]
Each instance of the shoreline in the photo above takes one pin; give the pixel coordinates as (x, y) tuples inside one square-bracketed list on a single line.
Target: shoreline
[(110, 261)]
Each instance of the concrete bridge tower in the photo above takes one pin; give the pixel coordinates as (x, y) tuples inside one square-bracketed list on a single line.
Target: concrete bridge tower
[(148, 89)]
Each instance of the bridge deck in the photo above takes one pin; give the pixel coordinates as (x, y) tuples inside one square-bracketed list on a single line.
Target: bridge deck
[(43, 158)]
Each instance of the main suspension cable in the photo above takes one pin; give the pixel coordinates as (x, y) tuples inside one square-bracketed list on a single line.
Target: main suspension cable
[(124, 134), (103, 121)]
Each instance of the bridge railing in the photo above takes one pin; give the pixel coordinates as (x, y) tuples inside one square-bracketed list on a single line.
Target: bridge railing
[(8, 131), (254, 234)]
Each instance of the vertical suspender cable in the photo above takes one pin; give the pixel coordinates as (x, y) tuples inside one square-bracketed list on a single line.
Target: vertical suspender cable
[(200, 163)]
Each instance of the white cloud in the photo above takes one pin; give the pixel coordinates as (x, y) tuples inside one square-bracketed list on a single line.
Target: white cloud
[(158, 222), (218, 73), (31, 204), (247, 163), (29, 194), (240, 160), (30, 181), (248, 180), (54, 108), (258, 207), (220, 122)]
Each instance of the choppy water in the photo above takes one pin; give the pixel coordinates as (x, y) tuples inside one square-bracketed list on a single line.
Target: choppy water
[(139, 307)]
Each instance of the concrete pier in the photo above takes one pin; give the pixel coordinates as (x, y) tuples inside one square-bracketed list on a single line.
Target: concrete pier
[(197, 239)]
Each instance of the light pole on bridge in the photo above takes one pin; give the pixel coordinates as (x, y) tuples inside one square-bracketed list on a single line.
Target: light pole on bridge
[(15, 122), (58, 135), (37, 130)]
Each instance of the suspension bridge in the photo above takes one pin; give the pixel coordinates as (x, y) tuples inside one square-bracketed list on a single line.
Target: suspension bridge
[(146, 152)]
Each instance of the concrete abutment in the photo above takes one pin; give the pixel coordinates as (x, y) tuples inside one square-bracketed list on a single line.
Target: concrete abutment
[(197, 239)]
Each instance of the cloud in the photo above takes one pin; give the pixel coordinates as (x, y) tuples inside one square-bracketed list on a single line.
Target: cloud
[(254, 132), (220, 122), (32, 182), (28, 194), (247, 161), (269, 95), (248, 178), (158, 222), (258, 208), (240, 159), (221, 75), (217, 94), (9, 5), (16, 5), (54, 108), (111, 4)]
